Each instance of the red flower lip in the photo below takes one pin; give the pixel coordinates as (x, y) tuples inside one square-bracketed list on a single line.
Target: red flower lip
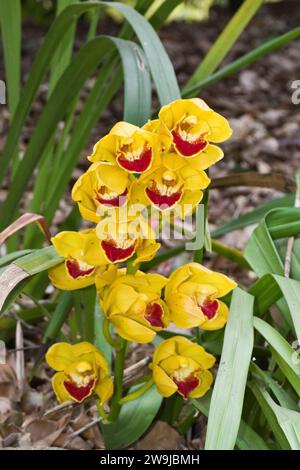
[(187, 385), (153, 315), (74, 270), (79, 393), (188, 149), (161, 201), (210, 308), (117, 201), (139, 165), (114, 253)]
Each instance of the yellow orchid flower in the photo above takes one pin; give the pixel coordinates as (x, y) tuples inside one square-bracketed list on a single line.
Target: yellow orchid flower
[(193, 126), (83, 259), (133, 304), (164, 137), (128, 146), (81, 371), (175, 183), (102, 188), (179, 365), (122, 236), (192, 295)]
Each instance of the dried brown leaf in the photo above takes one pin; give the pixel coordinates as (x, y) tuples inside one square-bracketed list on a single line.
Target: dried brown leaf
[(160, 437), (40, 428), (8, 382), (22, 222)]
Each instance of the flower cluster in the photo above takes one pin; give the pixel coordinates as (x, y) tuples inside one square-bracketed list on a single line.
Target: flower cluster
[(160, 165)]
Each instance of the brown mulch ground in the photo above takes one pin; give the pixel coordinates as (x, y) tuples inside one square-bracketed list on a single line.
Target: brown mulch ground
[(266, 139)]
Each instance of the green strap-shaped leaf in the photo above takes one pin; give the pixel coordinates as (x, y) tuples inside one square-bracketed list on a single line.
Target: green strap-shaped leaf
[(270, 288), (284, 398), (228, 394), (254, 216), (92, 109), (261, 252), (264, 49), (266, 292), (7, 259), (137, 93), (63, 54), (14, 277), (137, 105), (163, 11), (41, 65), (97, 101), (226, 40), (84, 302), (281, 246), (134, 419), (66, 89), (10, 22), (247, 438), (59, 316), (159, 63), (39, 260), (284, 423), (282, 351), (99, 339), (291, 292)]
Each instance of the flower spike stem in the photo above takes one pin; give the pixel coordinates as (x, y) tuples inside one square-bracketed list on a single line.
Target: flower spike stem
[(137, 393), (107, 334), (101, 412), (118, 381), (131, 268), (197, 335), (199, 254)]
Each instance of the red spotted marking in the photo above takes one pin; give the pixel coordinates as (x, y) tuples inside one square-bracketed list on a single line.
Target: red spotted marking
[(210, 308), (114, 253), (187, 385), (139, 165), (117, 201), (79, 393), (188, 149), (154, 314), (163, 201), (75, 271)]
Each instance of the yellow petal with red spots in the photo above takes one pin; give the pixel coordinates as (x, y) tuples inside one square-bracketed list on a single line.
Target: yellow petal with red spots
[(134, 305), (82, 246), (59, 389), (193, 125), (60, 355), (179, 365), (82, 371), (102, 188), (205, 382), (60, 278), (131, 330), (218, 320), (192, 295), (208, 157), (131, 148), (104, 389), (165, 385)]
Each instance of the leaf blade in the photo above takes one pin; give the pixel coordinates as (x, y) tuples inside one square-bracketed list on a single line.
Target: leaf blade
[(224, 421)]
